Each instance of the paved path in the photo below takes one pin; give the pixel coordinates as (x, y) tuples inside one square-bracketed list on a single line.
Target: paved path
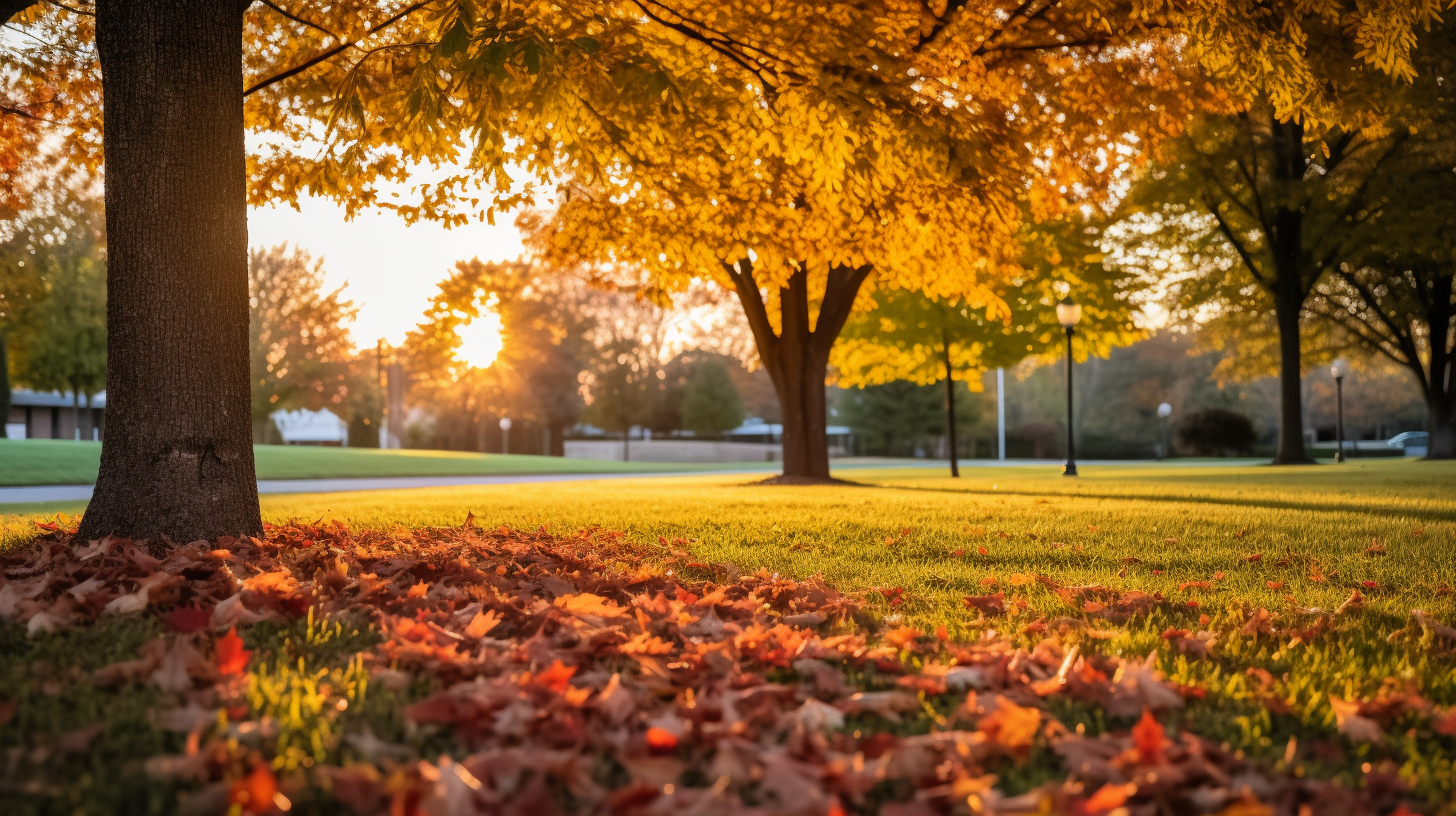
[(76, 493)]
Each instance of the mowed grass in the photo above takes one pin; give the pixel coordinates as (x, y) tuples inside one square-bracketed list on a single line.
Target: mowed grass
[(55, 462), (1152, 528)]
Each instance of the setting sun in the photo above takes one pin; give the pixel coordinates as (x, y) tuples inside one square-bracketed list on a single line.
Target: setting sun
[(480, 340)]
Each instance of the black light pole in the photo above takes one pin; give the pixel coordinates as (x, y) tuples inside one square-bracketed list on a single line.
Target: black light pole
[(1068, 313), (1338, 370)]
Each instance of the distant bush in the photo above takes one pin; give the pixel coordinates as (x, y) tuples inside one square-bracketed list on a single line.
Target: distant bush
[(1215, 432)]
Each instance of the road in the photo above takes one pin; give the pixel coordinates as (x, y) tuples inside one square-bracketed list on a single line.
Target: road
[(76, 493)]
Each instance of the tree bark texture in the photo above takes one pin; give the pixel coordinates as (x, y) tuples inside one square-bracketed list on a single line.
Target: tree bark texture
[(1291, 262), (178, 458), (796, 357), (1440, 385)]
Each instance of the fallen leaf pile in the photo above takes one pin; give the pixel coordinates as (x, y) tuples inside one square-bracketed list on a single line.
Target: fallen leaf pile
[(571, 675)]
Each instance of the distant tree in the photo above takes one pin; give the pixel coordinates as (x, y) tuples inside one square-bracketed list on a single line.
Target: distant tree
[(621, 386), (1265, 206), (1215, 432), (710, 403), (901, 418), (63, 347), (301, 354), (21, 291), (913, 336), (1394, 297)]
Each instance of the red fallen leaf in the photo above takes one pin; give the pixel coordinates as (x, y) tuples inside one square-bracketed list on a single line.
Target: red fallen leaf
[(1370, 585), (941, 633), (557, 677), (1149, 738), (254, 793), (1192, 604), (983, 551), (1355, 601), (661, 740), (1255, 558), (988, 604), (186, 619), (1374, 550), (1183, 587), (989, 581), (1157, 572), (232, 658), (1204, 620), (959, 553), (1274, 585)]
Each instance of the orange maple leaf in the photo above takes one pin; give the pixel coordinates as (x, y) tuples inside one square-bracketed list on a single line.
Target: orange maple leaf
[(557, 677), (1149, 738), (232, 658)]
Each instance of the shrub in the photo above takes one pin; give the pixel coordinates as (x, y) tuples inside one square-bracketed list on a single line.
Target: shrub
[(1215, 432)]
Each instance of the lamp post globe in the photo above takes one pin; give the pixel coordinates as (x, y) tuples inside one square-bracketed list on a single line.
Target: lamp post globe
[(505, 426), (1165, 445), (1069, 313)]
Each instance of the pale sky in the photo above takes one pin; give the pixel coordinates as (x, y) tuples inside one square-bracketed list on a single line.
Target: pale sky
[(391, 267)]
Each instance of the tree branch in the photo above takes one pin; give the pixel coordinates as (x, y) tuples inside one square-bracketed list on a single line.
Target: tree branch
[(295, 18), (1238, 245), (840, 291), (332, 52)]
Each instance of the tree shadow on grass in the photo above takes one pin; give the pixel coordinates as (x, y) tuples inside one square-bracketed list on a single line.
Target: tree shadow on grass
[(1336, 504)]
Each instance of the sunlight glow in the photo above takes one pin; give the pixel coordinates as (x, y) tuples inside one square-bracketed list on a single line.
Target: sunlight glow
[(480, 339)]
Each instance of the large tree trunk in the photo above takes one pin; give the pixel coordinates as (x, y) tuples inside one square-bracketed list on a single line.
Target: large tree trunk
[(1286, 244), (1290, 450), (797, 357), (1440, 390), (1443, 430), (178, 458)]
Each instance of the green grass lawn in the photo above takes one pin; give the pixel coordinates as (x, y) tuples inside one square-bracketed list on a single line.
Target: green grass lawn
[(55, 462), (1150, 528)]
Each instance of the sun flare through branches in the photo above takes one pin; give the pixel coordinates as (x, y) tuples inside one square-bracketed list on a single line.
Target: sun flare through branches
[(480, 338)]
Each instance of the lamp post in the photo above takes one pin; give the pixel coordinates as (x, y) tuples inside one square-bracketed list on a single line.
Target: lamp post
[(1338, 372), (1165, 446), (1068, 313), (505, 426)]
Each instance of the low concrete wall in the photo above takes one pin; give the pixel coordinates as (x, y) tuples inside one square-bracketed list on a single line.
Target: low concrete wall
[(674, 450)]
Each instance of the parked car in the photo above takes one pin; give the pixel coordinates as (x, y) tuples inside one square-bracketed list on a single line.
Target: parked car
[(1415, 443)]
